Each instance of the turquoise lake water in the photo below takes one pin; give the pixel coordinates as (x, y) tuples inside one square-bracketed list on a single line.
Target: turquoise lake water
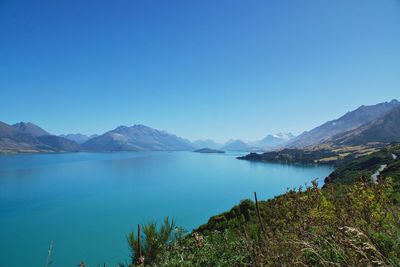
[(87, 203)]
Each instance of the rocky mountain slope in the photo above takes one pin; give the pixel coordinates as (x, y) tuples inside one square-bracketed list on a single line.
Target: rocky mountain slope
[(350, 121), (30, 128), (385, 129), (137, 138), (28, 137)]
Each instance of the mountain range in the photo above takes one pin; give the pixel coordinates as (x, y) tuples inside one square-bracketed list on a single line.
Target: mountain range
[(28, 137), (352, 123), (385, 129), (271, 141), (378, 123)]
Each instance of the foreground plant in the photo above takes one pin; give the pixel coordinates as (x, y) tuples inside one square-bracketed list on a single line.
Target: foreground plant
[(146, 247)]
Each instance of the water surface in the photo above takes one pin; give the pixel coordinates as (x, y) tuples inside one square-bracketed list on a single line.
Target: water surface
[(87, 203)]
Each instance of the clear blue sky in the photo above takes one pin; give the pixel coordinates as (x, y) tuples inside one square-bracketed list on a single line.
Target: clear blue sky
[(199, 69)]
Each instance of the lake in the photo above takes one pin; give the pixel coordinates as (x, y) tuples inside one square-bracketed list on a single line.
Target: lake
[(86, 203)]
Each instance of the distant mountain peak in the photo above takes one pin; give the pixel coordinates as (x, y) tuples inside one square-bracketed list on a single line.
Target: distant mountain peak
[(78, 137), (28, 137), (137, 137), (30, 128), (235, 145), (141, 126), (134, 127), (272, 141), (121, 128)]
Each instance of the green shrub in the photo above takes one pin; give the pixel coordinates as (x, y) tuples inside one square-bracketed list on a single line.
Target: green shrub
[(154, 240)]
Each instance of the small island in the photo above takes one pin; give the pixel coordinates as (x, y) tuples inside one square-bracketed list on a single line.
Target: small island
[(208, 150)]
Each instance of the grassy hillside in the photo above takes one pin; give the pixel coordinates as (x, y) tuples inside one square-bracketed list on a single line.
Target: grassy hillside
[(353, 170), (349, 222), (340, 225)]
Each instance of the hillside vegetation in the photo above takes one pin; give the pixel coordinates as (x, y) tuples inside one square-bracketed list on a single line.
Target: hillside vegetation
[(353, 170), (355, 223), (321, 154)]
